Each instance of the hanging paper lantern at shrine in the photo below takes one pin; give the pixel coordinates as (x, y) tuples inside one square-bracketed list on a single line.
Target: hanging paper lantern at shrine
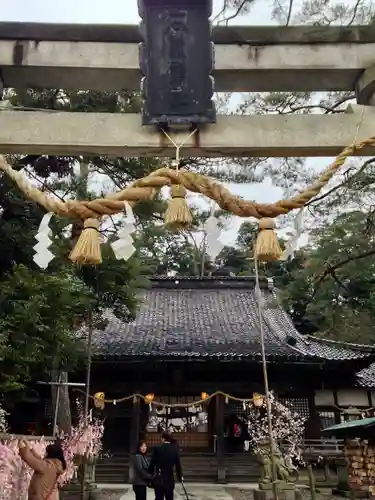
[(149, 398), (99, 400), (257, 399), (204, 396)]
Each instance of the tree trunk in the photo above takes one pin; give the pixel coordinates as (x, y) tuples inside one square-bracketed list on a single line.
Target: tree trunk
[(64, 414)]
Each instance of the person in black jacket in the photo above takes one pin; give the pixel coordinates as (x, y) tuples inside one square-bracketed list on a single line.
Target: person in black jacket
[(165, 460), (142, 477)]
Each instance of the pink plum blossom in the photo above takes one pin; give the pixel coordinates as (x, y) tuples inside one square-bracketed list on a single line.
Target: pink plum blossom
[(85, 440)]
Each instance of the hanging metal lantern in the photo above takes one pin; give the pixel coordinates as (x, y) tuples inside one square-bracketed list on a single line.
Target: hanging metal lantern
[(176, 61)]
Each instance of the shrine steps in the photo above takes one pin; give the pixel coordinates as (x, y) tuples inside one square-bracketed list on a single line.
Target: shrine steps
[(242, 468), (197, 467), (113, 469)]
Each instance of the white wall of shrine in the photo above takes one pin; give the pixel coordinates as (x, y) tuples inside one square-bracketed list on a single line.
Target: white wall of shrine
[(346, 398), (331, 407)]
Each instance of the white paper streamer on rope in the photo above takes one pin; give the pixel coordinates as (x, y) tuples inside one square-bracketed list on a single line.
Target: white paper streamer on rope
[(294, 236), (212, 231), (123, 248), (259, 297), (43, 255)]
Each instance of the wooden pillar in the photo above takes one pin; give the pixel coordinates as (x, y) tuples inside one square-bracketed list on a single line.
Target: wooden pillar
[(134, 433), (337, 411), (220, 452), (369, 400), (312, 426)]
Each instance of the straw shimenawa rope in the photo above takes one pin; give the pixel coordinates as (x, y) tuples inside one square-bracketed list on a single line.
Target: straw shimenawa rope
[(149, 398), (146, 189)]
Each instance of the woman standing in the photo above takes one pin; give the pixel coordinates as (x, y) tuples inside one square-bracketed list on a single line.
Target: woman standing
[(142, 476), (43, 484)]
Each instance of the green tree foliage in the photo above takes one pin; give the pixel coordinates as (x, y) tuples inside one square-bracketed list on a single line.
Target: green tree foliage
[(41, 310), (163, 252), (184, 253), (37, 314), (332, 290), (239, 259)]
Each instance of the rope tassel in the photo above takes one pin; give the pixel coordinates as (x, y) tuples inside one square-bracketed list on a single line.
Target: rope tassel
[(267, 247), (177, 216), (87, 249)]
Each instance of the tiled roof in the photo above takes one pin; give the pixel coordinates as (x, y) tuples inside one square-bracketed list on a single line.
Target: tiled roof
[(366, 377), (216, 317)]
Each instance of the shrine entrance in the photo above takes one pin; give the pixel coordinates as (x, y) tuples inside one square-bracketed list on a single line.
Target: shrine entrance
[(236, 432), (190, 425), (116, 437)]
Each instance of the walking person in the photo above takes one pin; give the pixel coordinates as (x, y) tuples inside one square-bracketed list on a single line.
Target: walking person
[(43, 484), (165, 461), (142, 477)]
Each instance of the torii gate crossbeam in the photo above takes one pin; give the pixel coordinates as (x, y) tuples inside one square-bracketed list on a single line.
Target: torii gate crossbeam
[(43, 132), (248, 58)]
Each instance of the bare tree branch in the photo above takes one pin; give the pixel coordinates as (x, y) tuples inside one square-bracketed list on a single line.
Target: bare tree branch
[(355, 11), (238, 11), (44, 185), (289, 16), (345, 181), (332, 268), (223, 9)]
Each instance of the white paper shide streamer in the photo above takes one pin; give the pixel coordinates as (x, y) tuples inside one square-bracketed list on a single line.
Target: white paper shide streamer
[(259, 297), (212, 231), (294, 236), (43, 255), (123, 248)]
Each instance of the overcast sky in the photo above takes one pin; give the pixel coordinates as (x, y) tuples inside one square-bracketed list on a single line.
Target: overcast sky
[(101, 11), (125, 11)]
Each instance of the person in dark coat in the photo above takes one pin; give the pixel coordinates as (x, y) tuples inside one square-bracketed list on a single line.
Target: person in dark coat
[(164, 462), (142, 477)]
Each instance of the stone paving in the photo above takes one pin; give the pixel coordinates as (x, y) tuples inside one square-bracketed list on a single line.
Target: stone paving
[(194, 492), (208, 492)]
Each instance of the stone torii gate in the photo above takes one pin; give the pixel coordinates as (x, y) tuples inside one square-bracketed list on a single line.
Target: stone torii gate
[(251, 59), (248, 59)]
